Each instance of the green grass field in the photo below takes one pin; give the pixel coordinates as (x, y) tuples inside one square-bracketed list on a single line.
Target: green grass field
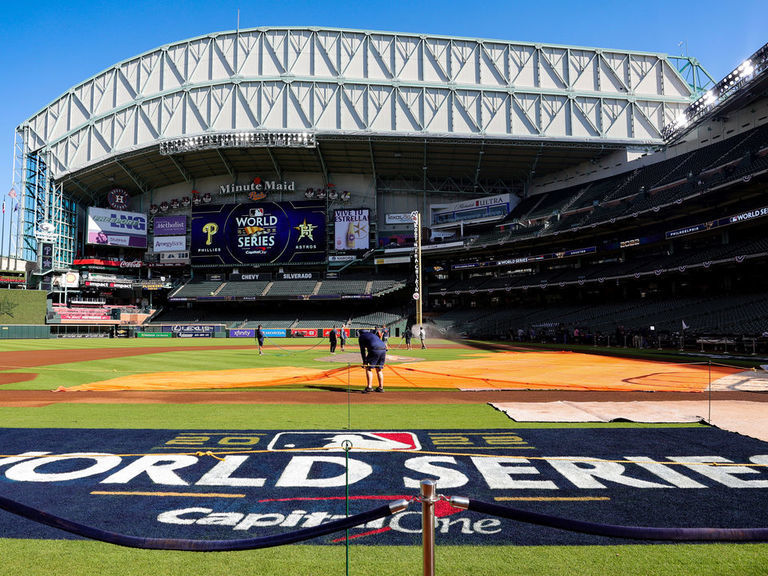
[(60, 557), (22, 307)]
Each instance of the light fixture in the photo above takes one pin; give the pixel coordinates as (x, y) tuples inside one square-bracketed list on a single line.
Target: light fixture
[(238, 140)]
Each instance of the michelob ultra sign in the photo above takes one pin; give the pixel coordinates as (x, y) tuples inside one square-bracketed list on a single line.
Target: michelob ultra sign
[(351, 229), (256, 233)]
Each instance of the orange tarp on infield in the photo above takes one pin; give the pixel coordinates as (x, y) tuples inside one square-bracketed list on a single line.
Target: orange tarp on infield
[(500, 370)]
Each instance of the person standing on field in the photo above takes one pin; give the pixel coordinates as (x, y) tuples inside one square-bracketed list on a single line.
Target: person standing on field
[(422, 337), (374, 355), (260, 339), (343, 336), (332, 339)]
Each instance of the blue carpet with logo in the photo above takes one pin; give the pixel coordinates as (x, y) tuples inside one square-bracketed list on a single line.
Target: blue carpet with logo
[(242, 484)]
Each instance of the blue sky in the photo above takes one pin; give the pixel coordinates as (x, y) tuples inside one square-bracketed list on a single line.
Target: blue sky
[(50, 46)]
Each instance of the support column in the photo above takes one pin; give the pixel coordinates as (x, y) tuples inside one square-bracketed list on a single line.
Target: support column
[(428, 499)]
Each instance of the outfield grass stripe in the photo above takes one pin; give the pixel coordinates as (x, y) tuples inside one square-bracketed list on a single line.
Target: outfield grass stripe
[(188, 417), (168, 494), (67, 557)]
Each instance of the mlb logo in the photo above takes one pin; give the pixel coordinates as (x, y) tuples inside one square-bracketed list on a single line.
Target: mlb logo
[(337, 441), (253, 212)]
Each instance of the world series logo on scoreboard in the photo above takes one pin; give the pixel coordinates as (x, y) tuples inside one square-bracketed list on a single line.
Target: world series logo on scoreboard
[(269, 232)]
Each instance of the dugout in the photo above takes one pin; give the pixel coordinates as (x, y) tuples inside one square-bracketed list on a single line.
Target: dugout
[(81, 330)]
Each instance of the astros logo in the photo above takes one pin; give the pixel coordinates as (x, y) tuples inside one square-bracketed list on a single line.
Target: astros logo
[(305, 230)]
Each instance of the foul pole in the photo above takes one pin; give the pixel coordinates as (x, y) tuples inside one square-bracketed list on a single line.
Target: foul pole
[(416, 217)]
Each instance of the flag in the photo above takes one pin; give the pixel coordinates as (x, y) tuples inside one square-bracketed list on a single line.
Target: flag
[(12, 193), (3, 206), (685, 326)]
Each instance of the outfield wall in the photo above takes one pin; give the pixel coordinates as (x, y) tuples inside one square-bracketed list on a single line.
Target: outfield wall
[(12, 331)]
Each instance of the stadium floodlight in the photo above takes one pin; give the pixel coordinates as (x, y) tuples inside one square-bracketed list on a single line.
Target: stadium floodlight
[(238, 140), (746, 68), (738, 78), (681, 121)]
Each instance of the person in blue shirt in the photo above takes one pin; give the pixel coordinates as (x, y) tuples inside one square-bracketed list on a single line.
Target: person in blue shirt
[(260, 338), (374, 353), (343, 336), (383, 333)]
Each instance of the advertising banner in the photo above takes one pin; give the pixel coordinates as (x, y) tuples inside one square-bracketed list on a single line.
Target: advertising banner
[(69, 279), (525, 259), (193, 330), (304, 332), (117, 228), (395, 260), (497, 200), (154, 334), (295, 276), (327, 331), (258, 233), (403, 218), (170, 225), (242, 333), (170, 243), (351, 229), (728, 220), (46, 256), (251, 332), (250, 276), (174, 257), (342, 258), (274, 332)]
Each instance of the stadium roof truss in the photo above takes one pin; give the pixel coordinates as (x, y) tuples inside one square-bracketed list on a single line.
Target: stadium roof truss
[(344, 87), (342, 81)]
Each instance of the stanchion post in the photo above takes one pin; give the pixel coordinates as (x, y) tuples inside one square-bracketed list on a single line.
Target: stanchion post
[(347, 445), (428, 499), (709, 391)]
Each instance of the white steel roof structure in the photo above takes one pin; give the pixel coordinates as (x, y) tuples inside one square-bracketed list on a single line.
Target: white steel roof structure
[(349, 92), (344, 81)]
